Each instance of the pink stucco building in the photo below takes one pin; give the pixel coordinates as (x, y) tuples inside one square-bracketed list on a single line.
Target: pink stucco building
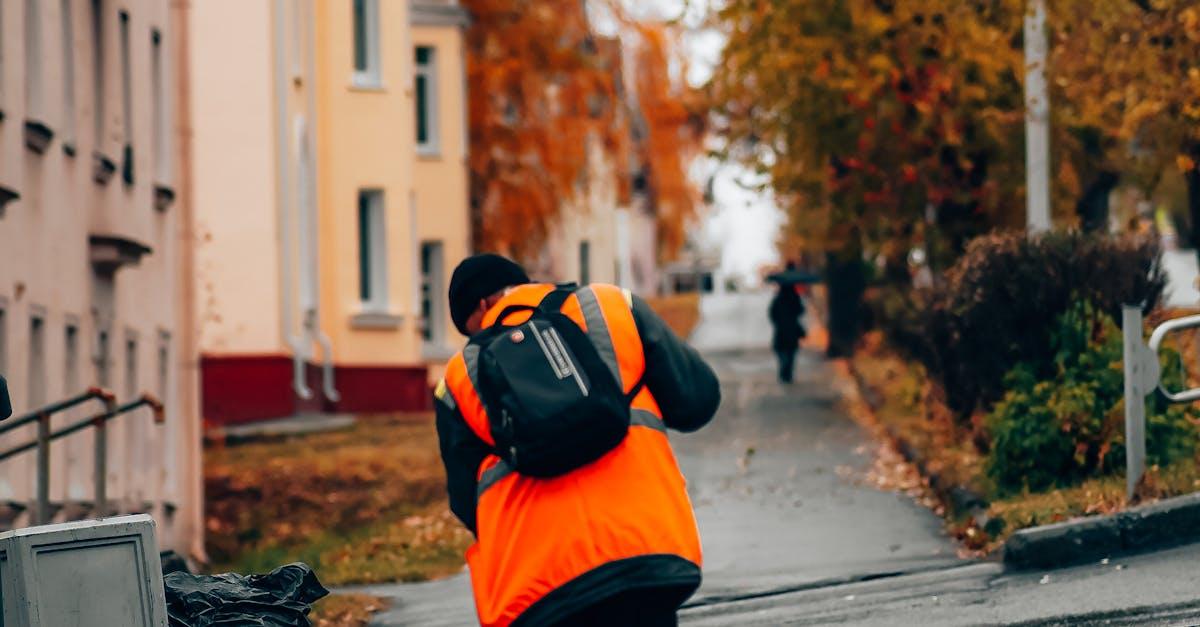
[(94, 253)]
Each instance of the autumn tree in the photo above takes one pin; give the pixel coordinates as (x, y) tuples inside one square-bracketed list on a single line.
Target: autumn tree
[(545, 90), (540, 92), (673, 118), (1126, 92), (883, 125)]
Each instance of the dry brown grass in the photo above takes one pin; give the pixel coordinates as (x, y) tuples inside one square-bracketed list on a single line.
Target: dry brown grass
[(909, 407), (362, 505), (680, 311), (345, 610)]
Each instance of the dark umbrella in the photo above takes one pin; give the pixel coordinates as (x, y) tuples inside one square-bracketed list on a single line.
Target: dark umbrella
[(794, 277)]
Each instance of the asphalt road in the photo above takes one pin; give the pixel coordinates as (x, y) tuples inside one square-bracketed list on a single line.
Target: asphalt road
[(1160, 588)]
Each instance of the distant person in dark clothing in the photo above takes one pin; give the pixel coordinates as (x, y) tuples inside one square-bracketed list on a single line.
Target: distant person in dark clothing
[(786, 310)]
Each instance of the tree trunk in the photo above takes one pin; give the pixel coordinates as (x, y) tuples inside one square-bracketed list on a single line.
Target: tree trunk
[(846, 283), (1092, 207)]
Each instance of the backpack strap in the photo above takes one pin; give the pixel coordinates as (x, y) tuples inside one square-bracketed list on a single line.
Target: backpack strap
[(510, 310), (554, 301), (551, 303), (637, 389)]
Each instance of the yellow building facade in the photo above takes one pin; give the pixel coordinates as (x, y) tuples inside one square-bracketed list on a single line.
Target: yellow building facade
[(330, 163)]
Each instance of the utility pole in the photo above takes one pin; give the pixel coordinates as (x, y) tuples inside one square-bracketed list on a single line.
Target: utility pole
[(1037, 120)]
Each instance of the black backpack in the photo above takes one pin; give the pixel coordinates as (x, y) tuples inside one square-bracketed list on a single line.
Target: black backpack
[(552, 403)]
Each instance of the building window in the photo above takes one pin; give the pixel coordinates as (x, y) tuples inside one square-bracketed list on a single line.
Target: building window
[(426, 101), (433, 315), (131, 368), (33, 58), (298, 53), (160, 109), (3, 341), (164, 365), (37, 362), (126, 101), (585, 262), (71, 360), (98, 87), (366, 43), (1, 57), (102, 359), (68, 61), (372, 253)]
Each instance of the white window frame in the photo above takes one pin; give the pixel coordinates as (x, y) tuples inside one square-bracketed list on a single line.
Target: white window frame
[(371, 76), (376, 300), (432, 146)]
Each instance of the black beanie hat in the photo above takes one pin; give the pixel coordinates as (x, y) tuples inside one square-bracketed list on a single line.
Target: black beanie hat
[(476, 278)]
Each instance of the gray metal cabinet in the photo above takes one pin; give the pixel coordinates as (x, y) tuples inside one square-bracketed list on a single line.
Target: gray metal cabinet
[(92, 573)]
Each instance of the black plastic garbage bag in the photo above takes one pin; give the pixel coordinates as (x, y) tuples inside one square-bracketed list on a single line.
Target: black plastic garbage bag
[(281, 598)]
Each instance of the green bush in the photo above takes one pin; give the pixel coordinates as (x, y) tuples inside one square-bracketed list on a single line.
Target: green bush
[(994, 309), (1056, 430)]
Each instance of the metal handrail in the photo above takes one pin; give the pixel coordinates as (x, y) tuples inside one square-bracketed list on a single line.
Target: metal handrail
[(93, 393), (146, 399), (1142, 376), (1156, 338), (98, 422)]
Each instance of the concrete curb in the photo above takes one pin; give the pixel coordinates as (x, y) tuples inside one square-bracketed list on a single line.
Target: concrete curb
[(300, 424), (1159, 525)]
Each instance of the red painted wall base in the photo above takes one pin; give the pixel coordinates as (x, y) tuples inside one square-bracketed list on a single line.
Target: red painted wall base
[(249, 388)]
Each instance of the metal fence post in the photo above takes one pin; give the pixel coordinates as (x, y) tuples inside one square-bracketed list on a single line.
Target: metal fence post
[(1141, 377), (42, 513)]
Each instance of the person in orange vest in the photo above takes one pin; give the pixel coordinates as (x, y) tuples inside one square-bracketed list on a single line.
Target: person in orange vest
[(593, 527)]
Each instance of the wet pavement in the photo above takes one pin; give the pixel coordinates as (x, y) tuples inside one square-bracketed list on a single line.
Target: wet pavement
[(775, 481)]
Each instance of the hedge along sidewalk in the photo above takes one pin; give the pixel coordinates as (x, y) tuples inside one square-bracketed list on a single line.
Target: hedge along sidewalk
[(947, 475), (1166, 523)]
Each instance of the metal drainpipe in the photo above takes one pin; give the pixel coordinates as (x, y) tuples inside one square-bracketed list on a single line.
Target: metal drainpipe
[(296, 343), (313, 253)]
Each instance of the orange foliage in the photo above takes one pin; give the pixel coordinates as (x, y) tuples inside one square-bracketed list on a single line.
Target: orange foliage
[(671, 136), (547, 91)]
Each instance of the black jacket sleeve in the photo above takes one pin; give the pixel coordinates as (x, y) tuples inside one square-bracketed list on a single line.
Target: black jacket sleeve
[(462, 453), (685, 387)]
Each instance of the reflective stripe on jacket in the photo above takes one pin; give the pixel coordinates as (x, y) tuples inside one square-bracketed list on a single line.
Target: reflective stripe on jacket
[(548, 547)]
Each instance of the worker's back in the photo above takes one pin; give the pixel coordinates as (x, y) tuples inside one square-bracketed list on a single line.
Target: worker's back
[(549, 548)]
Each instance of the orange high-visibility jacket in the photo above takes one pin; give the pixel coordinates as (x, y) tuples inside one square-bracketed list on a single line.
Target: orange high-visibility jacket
[(546, 548)]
